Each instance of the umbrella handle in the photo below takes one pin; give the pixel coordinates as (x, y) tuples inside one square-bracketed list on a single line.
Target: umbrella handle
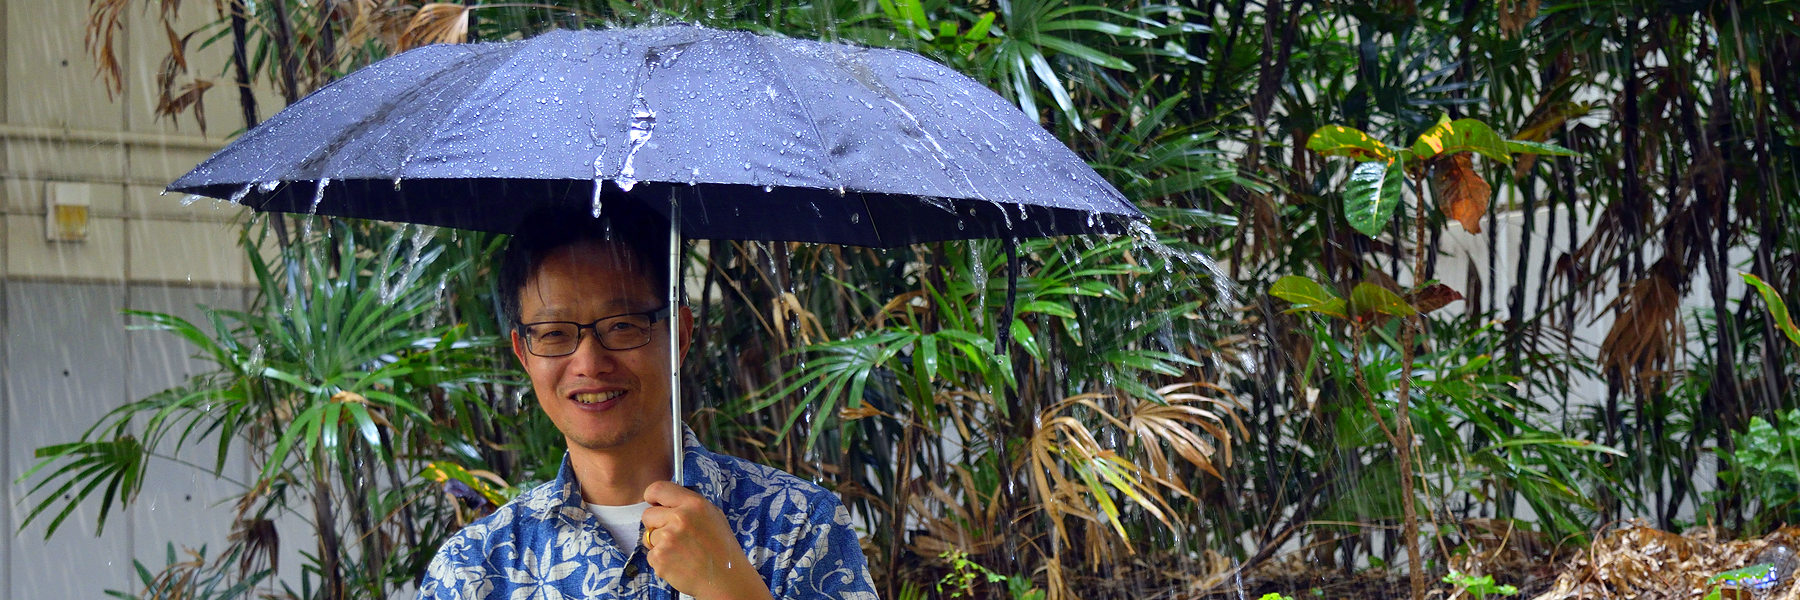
[(1003, 326), (675, 434)]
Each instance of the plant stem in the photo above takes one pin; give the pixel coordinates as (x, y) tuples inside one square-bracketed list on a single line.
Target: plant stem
[(1404, 447)]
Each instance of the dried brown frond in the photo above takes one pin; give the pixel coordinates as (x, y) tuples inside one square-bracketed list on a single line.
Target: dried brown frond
[(106, 19), (173, 104), (175, 98), (436, 23), (1074, 476), (1173, 424), (1643, 341)]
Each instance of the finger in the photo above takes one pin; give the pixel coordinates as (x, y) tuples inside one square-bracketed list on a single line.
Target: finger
[(659, 516), (666, 493)]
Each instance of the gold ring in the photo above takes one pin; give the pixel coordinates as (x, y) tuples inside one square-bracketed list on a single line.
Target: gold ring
[(648, 544)]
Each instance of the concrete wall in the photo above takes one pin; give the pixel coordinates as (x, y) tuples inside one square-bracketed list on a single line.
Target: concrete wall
[(66, 357)]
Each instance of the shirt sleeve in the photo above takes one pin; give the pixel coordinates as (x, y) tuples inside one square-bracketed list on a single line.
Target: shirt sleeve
[(830, 564)]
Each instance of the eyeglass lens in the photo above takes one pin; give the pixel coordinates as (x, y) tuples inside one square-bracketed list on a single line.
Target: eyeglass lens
[(623, 332)]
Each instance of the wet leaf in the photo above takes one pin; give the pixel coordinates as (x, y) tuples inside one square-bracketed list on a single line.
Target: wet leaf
[(1538, 148), (1337, 140), (1777, 308), (1462, 193), (1372, 194), (1308, 296), (1461, 135), (1369, 299)]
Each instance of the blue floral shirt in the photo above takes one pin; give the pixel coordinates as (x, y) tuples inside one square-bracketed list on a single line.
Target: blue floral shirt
[(544, 545)]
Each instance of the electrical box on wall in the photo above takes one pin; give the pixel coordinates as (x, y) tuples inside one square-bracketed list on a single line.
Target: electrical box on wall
[(66, 208)]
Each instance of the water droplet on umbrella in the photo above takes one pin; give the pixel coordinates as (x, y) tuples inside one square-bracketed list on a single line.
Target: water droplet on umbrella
[(267, 186), (855, 217)]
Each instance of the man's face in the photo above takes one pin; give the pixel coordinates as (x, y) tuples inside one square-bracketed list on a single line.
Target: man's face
[(599, 398)]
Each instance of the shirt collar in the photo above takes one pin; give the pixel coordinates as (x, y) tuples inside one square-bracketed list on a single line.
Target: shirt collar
[(699, 466)]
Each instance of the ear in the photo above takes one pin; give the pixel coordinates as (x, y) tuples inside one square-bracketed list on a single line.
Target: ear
[(686, 318), (518, 347)]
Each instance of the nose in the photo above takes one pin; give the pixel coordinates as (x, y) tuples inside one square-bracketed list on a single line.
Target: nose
[(590, 359)]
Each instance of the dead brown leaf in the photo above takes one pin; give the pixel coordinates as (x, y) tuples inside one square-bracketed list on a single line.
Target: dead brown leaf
[(1433, 297), (1462, 193), (860, 412), (1515, 14)]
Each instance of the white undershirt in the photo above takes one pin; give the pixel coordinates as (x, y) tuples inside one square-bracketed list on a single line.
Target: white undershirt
[(622, 522)]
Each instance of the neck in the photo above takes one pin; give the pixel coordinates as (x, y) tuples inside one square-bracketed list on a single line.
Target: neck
[(617, 476)]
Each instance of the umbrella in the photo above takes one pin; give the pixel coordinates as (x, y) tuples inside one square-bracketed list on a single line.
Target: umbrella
[(730, 135)]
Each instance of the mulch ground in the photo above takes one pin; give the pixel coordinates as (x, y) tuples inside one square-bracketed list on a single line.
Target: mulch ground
[(1629, 562)]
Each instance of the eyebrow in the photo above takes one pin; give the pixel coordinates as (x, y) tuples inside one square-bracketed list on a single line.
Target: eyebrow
[(617, 306)]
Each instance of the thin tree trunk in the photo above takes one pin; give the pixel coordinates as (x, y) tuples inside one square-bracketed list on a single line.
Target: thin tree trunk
[(332, 588), (240, 62), (284, 52)]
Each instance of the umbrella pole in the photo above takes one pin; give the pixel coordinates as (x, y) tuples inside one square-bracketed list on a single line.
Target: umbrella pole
[(675, 433)]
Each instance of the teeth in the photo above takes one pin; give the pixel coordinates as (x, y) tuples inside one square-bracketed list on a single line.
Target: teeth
[(596, 398)]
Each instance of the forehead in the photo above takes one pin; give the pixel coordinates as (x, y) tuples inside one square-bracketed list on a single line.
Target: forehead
[(588, 276)]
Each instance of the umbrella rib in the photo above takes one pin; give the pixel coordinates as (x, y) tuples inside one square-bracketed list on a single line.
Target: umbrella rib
[(871, 213), (831, 169)]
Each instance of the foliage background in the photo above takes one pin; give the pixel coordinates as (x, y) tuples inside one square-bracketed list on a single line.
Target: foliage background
[(1159, 418)]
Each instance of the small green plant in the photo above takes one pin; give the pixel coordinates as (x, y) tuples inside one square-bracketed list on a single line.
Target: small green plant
[(1480, 587), (1766, 465), (964, 574), (1276, 596)]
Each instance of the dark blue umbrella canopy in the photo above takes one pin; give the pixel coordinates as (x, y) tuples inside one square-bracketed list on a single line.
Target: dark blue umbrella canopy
[(758, 138)]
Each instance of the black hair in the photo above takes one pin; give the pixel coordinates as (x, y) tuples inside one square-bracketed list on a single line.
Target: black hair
[(645, 234)]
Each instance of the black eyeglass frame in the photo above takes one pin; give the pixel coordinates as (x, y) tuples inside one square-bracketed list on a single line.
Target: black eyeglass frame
[(656, 316)]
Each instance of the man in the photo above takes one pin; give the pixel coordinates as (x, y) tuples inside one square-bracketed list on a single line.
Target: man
[(591, 326)]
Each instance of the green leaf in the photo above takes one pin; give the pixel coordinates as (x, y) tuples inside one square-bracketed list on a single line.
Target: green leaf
[(1777, 308), (1372, 194), (1047, 307), (1541, 148), (1308, 296), (1368, 299), (1337, 140), (1461, 135)]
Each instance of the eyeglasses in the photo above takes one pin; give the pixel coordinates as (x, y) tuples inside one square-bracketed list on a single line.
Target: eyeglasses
[(551, 339)]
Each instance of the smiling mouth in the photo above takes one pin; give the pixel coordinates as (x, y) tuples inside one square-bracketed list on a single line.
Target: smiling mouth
[(598, 397)]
